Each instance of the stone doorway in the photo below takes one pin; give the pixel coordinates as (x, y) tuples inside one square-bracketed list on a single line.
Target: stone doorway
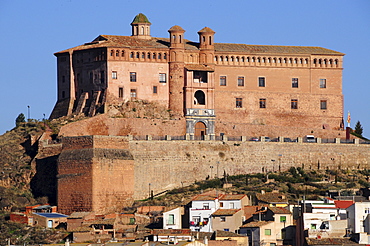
[(200, 130)]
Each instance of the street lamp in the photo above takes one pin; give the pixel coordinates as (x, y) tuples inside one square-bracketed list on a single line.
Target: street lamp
[(29, 113), (211, 167)]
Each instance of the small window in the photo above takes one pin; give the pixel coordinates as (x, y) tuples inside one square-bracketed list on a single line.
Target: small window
[(313, 226), (282, 218), (205, 205), (221, 204), (226, 229), (162, 78), (222, 218), (239, 102), (240, 81), (102, 77), (133, 93), (132, 76), (200, 77), (322, 83), (155, 90), (261, 81), (268, 232), (117, 53), (294, 104), (132, 221), (114, 75), (120, 92), (323, 104), (223, 80), (171, 219), (231, 205), (294, 82), (262, 102)]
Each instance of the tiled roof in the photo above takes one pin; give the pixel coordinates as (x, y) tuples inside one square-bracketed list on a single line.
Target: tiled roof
[(271, 197), (330, 241), (77, 215), (176, 28), (227, 234), (198, 67), (256, 224), (227, 197), (220, 212), (343, 204), (277, 210), (140, 18), (206, 29), (204, 198), (164, 43)]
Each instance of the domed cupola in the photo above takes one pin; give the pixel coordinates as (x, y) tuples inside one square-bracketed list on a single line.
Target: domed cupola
[(177, 37), (141, 27)]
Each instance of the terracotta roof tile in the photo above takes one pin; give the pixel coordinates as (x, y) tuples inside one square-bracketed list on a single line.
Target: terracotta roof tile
[(176, 28), (164, 43), (227, 197), (272, 197), (220, 212), (277, 210), (256, 224), (206, 29), (343, 204)]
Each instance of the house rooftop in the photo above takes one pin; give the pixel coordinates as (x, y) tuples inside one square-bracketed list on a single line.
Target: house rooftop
[(227, 197), (256, 224), (51, 215), (277, 210), (221, 212)]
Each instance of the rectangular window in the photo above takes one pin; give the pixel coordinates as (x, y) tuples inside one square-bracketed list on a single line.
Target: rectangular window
[(200, 77), (313, 226), (240, 81), (114, 75), (226, 229), (196, 219), (231, 205), (282, 218), (132, 221), (267, 232), (322, 83), (222, 218), (205, 205), (221, 204), (261, 81), (171, 219), (223, 80), (294, 82), (162, 78), (323, 104), (155, 90), (239, 102), (120, 92), (262, 103), (294, 104), (133, 93), (132, 76), (102, 77)]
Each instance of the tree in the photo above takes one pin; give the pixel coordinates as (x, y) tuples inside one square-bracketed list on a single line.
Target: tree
[(358, 128), (20, 119)]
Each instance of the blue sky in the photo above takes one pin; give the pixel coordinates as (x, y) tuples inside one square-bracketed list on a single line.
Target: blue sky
[(32, 31)]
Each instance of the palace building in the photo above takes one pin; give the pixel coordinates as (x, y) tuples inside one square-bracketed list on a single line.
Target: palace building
[(205, 82)]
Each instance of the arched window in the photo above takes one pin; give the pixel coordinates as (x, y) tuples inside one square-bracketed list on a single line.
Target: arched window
[(180, 39), (123, 53), (148, 55), (159, 55), (243, 59), (154, 56), (111, 52), (132, 55), (142, 30), (232, 58), (143, 55), (165, 56), (226, 58), (215, 58), (237, 59), (221, 58), (137, 54), (199, 98), (210, 40), (117, 52)]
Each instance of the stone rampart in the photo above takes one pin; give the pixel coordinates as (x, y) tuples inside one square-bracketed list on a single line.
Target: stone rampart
[(106, 179)]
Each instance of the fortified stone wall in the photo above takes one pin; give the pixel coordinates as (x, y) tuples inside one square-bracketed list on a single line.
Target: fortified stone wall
[(105, 173), (169, 164)]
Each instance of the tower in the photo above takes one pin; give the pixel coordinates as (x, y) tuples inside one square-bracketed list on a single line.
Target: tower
[(200, 88), (141, 27), (176, 69)]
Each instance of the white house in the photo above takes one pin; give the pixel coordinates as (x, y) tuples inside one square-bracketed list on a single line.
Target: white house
[(202, 207), (172, 219), (359, 220)]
